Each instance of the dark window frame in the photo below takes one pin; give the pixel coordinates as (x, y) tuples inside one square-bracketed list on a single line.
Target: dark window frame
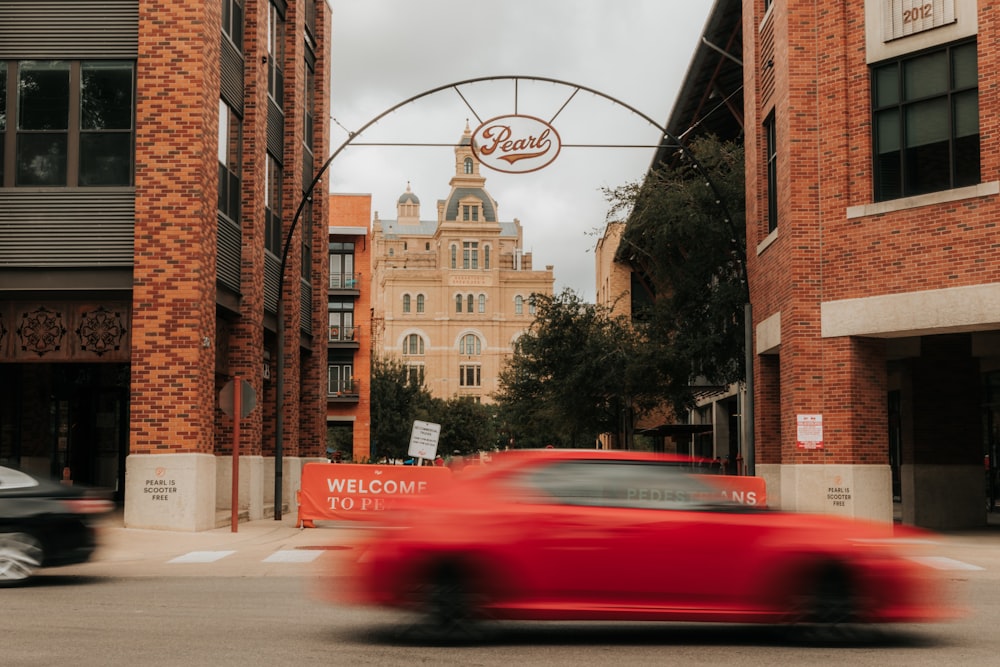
[(899, 115), (94, 144)]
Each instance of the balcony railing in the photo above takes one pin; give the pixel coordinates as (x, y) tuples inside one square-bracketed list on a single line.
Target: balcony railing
[(339, 334), (350, 281), (346, 389)]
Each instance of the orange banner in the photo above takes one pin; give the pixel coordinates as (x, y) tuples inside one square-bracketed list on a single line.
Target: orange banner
[(353, 492), (738, 489)]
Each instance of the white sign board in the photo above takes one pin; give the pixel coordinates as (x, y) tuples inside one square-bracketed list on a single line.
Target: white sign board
[(809, 431), (424, 439)]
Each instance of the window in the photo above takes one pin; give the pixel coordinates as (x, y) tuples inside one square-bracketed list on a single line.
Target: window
[(470, 255), (772, 173), (519, 305), (413, 344), (106, 123), (406, 303), (468, 165), (415, 374), (341, 318), (454, 256), (469, 375), (531, 304), (926, 122), (482, 303), (470, 344), (486, 257), (470, 304), (305, 236), (71, 123), (232, 22), (470, 213), (230, 146), (420, 303), (458, 303), (340, 379), (613, 484), (272, 206), (342, 266), (275, 55)]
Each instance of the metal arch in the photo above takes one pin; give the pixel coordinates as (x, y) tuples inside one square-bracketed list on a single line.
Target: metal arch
[(307, 196), (666, 134)]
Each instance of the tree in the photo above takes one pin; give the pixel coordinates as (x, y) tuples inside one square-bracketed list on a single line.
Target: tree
[(467, 427), (685, 239), (575, 373), (395, 402)]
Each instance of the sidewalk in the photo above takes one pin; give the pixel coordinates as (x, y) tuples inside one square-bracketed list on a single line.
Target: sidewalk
[(257, 548)]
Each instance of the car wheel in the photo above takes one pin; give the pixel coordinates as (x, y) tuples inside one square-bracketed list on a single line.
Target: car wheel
[(20, 556), (449, 606), (827, 609)]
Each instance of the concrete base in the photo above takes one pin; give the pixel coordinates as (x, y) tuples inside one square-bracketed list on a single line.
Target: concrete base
[(943, 497), (250, 496), (854, 491), (170, 491)]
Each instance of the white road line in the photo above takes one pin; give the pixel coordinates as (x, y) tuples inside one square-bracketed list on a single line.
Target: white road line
[(942, 563), (201, 557), (293, 556)]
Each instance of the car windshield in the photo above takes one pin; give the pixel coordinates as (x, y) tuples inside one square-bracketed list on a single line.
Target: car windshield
[(15, 479), (617, 484)]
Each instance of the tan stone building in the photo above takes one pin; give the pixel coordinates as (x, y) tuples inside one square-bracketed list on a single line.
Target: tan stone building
[(450, 295)]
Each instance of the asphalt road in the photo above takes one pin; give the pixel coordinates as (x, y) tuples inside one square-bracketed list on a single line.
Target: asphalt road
[(183, 603)]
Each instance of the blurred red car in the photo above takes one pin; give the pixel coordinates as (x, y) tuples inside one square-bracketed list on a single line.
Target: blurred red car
[(615, 535)]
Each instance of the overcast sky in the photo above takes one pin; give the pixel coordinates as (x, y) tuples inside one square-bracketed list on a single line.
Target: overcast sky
[(388, 51)]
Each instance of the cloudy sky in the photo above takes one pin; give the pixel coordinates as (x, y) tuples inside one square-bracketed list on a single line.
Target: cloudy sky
[(388, 51)]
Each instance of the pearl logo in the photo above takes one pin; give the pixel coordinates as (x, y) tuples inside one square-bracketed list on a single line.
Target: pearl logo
[(516, 144)]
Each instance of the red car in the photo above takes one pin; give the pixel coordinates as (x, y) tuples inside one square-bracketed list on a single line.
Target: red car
[(615, 535)]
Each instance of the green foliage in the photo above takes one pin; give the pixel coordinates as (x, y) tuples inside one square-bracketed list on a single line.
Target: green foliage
[(685, 237), (577, 372), (467, 427), (395, 403)]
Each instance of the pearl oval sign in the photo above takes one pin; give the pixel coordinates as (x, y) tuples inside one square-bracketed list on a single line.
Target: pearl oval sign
[(516, 144)]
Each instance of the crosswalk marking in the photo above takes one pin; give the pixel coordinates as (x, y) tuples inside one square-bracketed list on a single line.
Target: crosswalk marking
[(201, 557), (942, 563), (293, 556)]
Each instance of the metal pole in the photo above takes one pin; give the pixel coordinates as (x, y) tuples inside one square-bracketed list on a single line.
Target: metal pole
[(748, 417), (279, 402)]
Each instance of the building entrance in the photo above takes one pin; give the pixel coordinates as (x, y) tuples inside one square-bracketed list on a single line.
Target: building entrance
[(66, 421)]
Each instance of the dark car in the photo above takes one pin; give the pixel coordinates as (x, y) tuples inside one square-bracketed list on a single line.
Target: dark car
[(627, 536), (44, 524)]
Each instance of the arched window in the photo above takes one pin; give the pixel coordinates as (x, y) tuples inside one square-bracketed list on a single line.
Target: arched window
[(518, 305), (458, 303), (486, 257), (420, 303), (413, 344), (531, 305), (470, 304), (406, 303), (454, 256), (468, 165), (482, 303), (470, 344)]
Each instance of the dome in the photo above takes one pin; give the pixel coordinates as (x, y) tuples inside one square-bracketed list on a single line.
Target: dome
[(408, 197)]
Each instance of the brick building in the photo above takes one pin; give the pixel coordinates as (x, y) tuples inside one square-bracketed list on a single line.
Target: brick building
[(349, 329), (874, 254), (451, 294), (154, 155)]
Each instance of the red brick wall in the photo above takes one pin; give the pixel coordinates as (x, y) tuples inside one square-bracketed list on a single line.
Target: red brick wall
[(356, 211), (821, 95), (175, 234)]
